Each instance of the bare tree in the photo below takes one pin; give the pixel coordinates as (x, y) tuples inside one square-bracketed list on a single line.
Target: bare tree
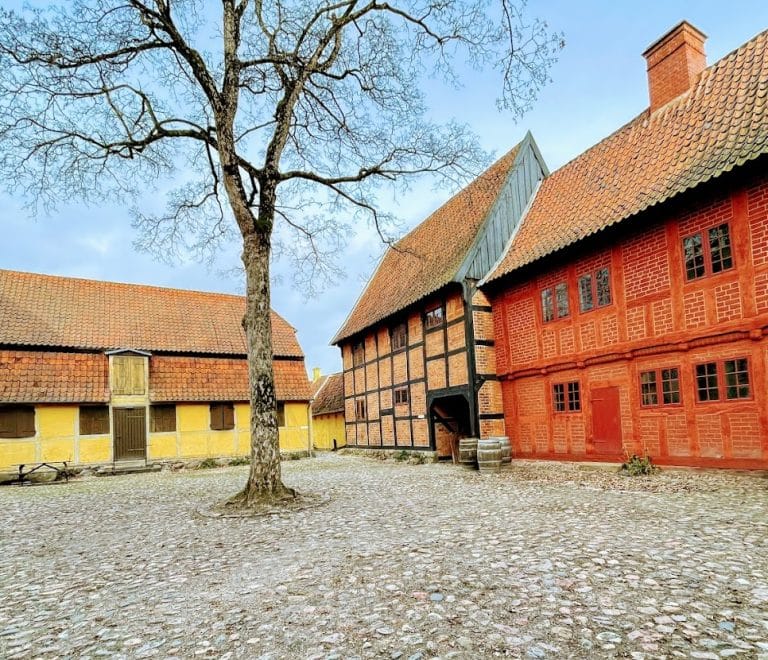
[(284, 115)]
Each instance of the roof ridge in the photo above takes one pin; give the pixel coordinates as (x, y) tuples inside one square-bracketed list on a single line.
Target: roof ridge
[(125, 284)]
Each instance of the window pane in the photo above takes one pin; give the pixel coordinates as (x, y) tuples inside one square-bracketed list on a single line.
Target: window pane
[(670, 386), (736, 379), (434, 317), (280, 414), (603, 287), (720, 248), (358, 353), (399, 336), (558, 397), (547, 312), (706, 382), (561, 298), (693, 253), (648, 393), (574, 397), (585, 293)]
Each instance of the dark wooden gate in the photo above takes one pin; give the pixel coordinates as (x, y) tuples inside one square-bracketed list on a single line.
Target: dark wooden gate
[(130, 434), (606, 421)]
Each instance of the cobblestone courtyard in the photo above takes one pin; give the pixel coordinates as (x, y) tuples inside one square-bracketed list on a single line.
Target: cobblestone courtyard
[(404, 561)]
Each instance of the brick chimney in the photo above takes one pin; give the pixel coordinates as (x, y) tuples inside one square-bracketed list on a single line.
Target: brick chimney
[(674, 63)]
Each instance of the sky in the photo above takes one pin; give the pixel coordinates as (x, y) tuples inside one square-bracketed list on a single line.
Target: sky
[(598, 84)]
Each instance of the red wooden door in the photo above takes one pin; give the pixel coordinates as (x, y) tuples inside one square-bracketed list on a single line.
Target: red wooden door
[(606, 421)]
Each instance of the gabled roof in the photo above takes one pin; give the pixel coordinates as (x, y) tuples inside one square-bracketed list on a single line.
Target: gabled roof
[(328, 395), (719, 124), (67, 312), (428, 258)]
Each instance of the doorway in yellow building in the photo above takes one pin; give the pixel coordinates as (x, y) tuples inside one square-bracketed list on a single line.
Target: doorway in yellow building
[(130, 434)]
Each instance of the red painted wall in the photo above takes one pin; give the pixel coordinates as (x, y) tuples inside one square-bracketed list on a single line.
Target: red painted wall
[(657, 319)]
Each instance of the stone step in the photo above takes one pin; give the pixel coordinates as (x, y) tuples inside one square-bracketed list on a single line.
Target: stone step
[(126, 467)]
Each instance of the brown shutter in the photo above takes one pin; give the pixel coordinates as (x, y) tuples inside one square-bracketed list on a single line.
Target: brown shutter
[(228, 416), (216, 417)]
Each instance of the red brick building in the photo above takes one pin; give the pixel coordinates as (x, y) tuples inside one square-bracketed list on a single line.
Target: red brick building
[(417, 348), (630, 309)]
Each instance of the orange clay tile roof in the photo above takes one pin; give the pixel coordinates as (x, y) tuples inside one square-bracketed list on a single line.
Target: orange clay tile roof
[(428, 257), (329, 396), (717, 125), (66, 312), (219, 379), (43, 377)]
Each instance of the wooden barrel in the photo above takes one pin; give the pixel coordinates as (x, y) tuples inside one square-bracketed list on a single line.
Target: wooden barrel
[(468, 453), (489, 455), (506, 449)]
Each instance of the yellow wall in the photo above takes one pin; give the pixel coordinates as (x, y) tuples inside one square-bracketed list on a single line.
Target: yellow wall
[(327, 427), (57, 437)]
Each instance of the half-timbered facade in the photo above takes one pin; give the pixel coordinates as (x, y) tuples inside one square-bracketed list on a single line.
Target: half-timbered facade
[(99, 372), (418, 348), (631, 308)]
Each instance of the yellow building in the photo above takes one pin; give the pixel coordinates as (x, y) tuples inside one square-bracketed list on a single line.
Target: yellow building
[(328, 411), (98, 372)]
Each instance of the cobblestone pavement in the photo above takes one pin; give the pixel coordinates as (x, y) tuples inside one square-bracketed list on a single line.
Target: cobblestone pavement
[(404, 561)]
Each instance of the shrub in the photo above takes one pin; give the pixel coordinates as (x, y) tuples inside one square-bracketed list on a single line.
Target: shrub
[(207, 464), (636, 466)]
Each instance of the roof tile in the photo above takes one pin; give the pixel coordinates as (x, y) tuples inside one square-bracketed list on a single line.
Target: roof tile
[(329, 396), (67, 312), (719, 124), (427, 258)]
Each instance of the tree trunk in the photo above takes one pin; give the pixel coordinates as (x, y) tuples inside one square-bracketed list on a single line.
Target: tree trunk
[(264, 480)]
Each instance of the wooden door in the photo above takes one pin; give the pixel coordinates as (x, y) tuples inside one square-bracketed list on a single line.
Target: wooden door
[(130, 426), (606, 421)]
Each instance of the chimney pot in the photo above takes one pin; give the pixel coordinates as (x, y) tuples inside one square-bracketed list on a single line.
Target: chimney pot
[(674, 63)]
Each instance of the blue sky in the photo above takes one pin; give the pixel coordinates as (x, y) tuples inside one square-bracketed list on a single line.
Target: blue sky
[(598, 84)]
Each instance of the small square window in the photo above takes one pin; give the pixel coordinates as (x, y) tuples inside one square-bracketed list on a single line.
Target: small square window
[(17, 421), (162, 418), (706, 382), (399, 336), (222, 416), (434, 317), (401, 395), (94, 420)]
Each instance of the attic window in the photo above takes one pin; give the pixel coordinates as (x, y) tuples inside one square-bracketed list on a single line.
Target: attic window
[(434, 317), (399, 336), (358, 353)]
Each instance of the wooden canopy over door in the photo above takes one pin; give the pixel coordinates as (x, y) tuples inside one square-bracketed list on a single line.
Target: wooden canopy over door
[(130, 434)]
